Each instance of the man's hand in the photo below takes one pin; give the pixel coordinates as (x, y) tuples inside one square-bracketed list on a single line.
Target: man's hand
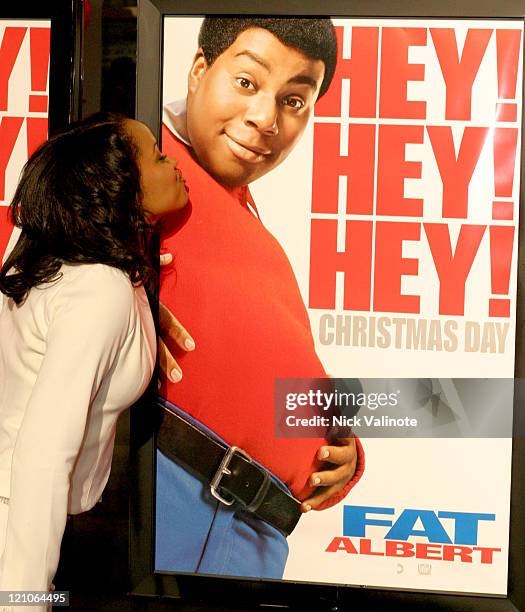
[(341, 460), (171, 330)]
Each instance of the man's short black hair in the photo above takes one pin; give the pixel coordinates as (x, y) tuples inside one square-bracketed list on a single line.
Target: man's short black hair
[(314, 36)]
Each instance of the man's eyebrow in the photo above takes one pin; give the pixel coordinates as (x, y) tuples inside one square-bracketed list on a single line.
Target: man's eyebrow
[(255, 58), (301, 79)]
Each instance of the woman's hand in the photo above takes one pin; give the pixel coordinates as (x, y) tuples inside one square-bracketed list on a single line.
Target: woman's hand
[(333, 478), (171, 331)]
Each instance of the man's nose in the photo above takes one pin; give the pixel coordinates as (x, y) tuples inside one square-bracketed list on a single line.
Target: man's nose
[(262, 113)]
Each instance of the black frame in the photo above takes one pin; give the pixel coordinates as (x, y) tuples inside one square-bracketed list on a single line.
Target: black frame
[(145, 583), (66, 47)]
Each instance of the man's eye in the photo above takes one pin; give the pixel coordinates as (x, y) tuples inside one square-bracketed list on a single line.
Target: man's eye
[(245, 83), (295, 103), (162, 157)]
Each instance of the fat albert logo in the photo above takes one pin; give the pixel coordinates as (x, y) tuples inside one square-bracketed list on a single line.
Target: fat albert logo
[(457, 543)]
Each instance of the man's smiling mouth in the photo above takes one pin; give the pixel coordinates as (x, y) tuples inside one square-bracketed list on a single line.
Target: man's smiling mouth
[(246, 152)]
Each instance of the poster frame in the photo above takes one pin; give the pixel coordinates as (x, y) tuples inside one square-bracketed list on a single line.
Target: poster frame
[(144, 581), (66, 49)]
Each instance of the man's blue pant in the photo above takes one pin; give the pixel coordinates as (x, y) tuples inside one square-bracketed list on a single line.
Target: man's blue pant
[(196, 533)]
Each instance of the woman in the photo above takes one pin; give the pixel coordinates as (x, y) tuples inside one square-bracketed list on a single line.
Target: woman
[(77, 341)]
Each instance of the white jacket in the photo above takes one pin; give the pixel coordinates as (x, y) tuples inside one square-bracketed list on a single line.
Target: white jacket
[(73, 356)]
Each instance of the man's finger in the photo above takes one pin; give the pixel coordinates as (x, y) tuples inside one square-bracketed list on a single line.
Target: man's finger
[(340, 475), (316, 500), (171, 328), (169, 367), (340, 454), (166, 259)]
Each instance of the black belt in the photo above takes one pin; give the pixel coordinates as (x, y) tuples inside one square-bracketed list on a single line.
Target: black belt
[(229, 470)]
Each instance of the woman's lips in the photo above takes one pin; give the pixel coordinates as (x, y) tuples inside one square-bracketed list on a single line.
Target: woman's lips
[(180, 179), (245, 152)]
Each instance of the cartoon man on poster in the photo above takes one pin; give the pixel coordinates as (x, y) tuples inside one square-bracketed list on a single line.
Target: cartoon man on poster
[(251, 91)]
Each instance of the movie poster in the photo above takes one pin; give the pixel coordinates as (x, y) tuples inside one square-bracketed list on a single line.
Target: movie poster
[(398, 210), (24, 87)]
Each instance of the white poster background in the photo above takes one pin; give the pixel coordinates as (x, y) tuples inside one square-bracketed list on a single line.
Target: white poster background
[(461, 475)]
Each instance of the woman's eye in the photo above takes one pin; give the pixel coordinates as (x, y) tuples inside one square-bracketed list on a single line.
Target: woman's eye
[(245, 83), (295, 103), (162, 157)]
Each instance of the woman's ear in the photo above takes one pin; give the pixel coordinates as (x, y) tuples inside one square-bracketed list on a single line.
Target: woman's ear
[(197, 71)]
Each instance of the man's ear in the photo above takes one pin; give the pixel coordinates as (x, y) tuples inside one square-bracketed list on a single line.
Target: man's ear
[(197, 71)]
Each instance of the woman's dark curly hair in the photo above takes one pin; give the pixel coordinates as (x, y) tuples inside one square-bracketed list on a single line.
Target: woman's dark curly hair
[(79, 201)]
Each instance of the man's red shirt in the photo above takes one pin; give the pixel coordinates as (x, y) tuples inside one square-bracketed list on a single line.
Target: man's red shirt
[(233, 288)]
